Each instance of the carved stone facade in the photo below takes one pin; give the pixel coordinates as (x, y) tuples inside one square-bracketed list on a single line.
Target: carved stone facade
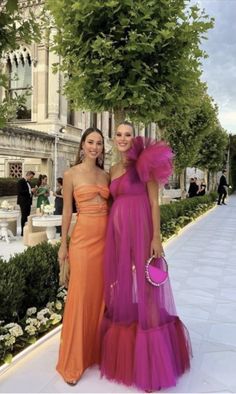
[(27, 149)]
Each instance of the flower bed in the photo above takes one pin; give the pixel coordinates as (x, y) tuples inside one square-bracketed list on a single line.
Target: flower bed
[(15, 337), (29, 279)]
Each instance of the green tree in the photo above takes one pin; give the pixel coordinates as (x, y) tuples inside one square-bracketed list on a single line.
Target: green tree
[(189, 130), (213, 150), (14, 29), (138, 58)]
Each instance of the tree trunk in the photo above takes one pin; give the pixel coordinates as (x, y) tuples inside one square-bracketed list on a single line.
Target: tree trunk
[(119, 116), (182, 184)]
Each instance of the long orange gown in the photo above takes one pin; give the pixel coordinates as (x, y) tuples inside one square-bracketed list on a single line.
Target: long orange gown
[(80, 339)]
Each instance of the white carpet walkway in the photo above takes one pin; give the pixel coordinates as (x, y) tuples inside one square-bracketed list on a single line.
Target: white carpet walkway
[(202, 263)]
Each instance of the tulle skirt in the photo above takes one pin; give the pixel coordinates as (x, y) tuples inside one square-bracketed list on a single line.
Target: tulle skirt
[(144, 342)]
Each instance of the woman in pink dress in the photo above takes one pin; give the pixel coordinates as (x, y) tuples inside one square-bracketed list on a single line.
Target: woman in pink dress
[(144, 342)]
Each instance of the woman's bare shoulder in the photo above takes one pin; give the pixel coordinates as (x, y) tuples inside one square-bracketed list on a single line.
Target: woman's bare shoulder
[(73, 170), (104, 174), (113, 169)]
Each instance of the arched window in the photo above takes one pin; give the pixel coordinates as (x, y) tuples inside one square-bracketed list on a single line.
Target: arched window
[(20, 81)]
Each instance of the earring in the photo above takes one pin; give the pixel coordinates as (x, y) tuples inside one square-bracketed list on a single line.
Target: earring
[(81, 155), (100, 159)]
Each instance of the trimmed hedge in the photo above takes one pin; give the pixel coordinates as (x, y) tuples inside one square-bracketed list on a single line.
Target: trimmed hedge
[(177, 214), (8, 186), (28, 279)]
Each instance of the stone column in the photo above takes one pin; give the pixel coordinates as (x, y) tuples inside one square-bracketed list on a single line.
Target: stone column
[(53, 87), (105, 123), (40, 84)]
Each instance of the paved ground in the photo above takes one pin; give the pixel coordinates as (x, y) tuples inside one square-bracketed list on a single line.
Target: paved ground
[(202, 264)]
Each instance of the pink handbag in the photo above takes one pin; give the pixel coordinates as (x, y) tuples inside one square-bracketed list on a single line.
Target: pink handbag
[(156, 271)]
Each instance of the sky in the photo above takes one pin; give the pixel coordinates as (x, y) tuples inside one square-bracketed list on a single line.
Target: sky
[(219, 69)]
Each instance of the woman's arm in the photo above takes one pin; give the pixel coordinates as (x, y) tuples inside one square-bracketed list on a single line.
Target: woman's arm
[(153, 194), (58, 195), (67, 213), (40, 191), (47, 191)]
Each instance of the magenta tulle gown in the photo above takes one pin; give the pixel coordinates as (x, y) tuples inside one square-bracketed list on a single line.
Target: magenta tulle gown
[(144, 342)]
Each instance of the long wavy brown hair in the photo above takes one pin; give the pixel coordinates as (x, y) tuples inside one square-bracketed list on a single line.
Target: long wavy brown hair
[(86, 133)]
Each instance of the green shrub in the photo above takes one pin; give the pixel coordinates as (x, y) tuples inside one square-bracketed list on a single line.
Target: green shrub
[(176, 215), (12, 287), (8, 186), (28, 279)]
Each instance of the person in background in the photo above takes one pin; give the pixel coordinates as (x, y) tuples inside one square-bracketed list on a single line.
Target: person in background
[(42, 191), (24, 196), (222, 188), (197, 184), (193, 188), (58, 200), (202, 189)]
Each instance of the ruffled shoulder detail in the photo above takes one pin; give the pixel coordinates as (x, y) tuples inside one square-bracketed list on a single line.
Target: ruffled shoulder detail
[(152, 159)]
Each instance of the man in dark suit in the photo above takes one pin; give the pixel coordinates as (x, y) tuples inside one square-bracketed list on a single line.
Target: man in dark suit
[(222, 188), (193, 188), (24, 197)]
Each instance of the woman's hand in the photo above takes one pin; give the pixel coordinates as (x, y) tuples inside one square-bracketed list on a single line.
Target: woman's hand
[(156, 248), (34, 190), (62, 254)]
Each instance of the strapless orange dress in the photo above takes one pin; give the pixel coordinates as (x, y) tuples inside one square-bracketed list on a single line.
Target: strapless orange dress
[(80, 339)]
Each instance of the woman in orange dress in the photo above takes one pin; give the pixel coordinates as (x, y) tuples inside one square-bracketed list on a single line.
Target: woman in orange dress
[(88, 183)]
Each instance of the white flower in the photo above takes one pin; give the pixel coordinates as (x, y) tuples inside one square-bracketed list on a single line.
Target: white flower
[(31, 311), (50, 305), (31, 330), (58, 305), (33, 322), (5, 205), (16, 331), (10, 341), (60, 295), (44, 311), (44, 321), (49, 208), (2, 337), (40, 314), (9, 325), (55, 318)]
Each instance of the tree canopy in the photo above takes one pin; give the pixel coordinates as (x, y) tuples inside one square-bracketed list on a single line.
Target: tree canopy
[(138, 58), (212, 153), (189, 130)]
